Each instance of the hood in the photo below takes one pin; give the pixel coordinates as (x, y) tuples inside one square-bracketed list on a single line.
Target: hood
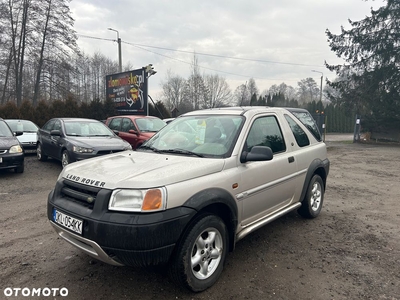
[(132, 169), (7, 142), (99, 142)]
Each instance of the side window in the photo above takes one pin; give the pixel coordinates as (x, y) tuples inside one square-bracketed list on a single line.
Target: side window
[(49, 125), (265, 131), (299, 134), (125, 125), (57, 125), (115, 124)]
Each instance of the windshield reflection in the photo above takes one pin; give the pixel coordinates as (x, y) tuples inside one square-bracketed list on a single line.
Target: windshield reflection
[(208, 136)]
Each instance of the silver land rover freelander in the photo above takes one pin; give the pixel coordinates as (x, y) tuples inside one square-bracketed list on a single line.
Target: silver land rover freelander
[(188, 194)]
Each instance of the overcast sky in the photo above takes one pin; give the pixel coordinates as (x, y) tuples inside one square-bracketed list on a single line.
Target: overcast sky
[(274, 41)]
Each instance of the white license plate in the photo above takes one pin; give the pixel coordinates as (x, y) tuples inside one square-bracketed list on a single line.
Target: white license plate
[(67, 221)]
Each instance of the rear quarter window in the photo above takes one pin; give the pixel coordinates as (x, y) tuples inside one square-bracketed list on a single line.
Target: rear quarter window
[(299, 134), (308, 121)]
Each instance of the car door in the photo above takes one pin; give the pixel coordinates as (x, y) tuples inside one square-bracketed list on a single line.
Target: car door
[(54, 145), (131, 137), (266, 186), (45, 138)]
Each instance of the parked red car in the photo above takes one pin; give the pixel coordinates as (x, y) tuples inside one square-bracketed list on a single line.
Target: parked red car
[(135, 129)]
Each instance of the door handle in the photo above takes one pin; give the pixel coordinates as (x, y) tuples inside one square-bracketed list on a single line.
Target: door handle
[(291, 159)]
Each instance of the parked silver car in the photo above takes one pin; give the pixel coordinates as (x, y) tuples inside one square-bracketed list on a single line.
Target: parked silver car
[(188, 194)]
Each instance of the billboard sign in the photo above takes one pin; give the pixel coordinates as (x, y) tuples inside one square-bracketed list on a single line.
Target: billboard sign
[(128, 92)]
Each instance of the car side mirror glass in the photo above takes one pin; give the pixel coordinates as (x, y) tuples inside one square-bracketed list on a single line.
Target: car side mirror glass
[(257, 153)]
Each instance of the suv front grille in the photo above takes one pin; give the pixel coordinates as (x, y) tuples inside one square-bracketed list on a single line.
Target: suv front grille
[(79, 193)]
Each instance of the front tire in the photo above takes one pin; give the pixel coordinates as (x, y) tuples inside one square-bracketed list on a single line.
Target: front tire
[(200, 256), (65, 160), (39, 153), (312, 203)]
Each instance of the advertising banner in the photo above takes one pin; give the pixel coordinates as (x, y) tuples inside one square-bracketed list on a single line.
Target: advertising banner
[(128, 91)]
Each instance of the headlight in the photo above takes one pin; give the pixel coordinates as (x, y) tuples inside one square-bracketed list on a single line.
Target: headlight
[(82, 149), (16, 149), (138, 200)]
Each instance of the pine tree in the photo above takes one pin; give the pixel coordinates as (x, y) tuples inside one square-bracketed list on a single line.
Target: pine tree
[(369, 81)]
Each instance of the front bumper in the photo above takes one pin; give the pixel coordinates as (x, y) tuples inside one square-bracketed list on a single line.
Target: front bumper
[(29, 147), (11, 161), (120, 238)]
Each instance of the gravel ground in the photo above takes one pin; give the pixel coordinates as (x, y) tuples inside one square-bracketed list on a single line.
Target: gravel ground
[(351, 251)]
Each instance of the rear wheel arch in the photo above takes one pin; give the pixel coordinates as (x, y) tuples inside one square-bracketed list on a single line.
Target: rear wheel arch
[(317, 167)]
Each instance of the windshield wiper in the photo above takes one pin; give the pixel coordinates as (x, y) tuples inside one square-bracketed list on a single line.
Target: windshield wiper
[(173, 151), (181, 151), (144, 147)]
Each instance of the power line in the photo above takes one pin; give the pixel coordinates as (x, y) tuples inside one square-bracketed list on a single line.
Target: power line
[(189, 63), (206, 54), (95, 38)]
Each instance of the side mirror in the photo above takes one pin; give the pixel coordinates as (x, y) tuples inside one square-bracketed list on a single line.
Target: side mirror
[(257, 153), (55, 132), (18, 133), (133, 131)]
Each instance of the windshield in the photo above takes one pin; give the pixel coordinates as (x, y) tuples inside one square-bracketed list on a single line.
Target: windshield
[(204, 136), (22, 125), (150, 124), (85, 128), (4, 130)]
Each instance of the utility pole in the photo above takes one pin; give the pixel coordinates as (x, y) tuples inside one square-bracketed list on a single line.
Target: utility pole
[(119, 49), (322, 78)]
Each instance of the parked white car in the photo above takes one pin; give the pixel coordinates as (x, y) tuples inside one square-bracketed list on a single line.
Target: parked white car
[(28, 139)]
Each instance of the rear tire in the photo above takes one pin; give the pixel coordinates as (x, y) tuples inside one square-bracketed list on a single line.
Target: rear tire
[(312, 203), (39, 153), (200, 256)]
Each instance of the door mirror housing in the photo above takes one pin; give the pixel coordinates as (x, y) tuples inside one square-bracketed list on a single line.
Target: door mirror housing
[(257, 153), (55, 132)]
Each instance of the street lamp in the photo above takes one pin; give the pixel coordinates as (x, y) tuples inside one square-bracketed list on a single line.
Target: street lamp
[(119, 49), (322, 77)]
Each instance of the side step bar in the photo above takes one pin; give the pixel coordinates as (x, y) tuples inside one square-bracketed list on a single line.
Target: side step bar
[(262, 222)]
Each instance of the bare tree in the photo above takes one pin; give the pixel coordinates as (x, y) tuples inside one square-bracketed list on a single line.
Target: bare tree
[(274, 89), (18, 12), (55, 29), (241, 96), (308, 90), (252, 88), (218, 93), (173, 90), (290, 93), (195, 88)]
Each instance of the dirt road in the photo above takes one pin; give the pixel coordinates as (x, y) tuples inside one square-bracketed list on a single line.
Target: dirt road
[(351, 251)]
